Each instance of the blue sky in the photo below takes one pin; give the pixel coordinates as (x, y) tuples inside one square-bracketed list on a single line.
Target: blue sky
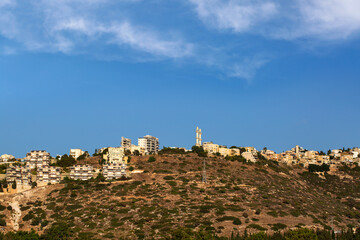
[(274, 73)]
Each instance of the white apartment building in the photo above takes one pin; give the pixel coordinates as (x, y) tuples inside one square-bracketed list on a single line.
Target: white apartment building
[(249, 156), (49, 174), (37, 159), (75, 153), (19, 174), (211, 147), (81, 172), (150, 144), (114, 171)]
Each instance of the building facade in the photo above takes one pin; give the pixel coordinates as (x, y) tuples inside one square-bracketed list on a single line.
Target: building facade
[(125, 142), (114, 171), (49, 174), (19, 174), (115, 155), (37, 159), (150, 144), (81, 172), (6, 157), (75, 153)]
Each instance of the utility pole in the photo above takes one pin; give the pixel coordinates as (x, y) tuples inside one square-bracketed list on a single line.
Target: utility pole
[(204, 173)]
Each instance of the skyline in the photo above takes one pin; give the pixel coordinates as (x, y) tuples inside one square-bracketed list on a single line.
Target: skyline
[(83, 73)]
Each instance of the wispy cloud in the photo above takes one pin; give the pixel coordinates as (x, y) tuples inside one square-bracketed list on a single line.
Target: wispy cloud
[(247, 68), (239, 16), (63, 26)]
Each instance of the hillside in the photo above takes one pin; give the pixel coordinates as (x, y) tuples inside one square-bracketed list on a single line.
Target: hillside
[(169, 194)]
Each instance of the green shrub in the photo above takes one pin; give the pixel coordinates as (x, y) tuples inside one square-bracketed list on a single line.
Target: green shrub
[(151, 159)]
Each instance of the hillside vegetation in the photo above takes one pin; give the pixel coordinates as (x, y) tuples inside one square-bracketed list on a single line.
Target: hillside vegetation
[(169, 194)]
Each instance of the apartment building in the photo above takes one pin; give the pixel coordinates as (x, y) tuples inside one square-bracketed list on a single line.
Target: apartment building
[(114, 171), (37, 159), (75, 153), (150, 144), (19, 174), (81, 172), (49, 174)]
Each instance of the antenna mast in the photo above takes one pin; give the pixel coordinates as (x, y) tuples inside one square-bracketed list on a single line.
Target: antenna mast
[(204, 173)]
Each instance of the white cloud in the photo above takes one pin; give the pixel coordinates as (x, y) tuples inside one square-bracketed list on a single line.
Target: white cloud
[(282, 19), (235, 15), (247, 68)]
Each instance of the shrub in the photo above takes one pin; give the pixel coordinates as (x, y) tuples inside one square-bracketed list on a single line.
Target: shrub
[(168, 178), (151, 159)]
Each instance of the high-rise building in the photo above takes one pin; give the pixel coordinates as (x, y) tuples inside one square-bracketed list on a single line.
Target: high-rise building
[(150, 144), (198, 137)]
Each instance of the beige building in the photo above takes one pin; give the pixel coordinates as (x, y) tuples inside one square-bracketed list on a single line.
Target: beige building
[(75, 153), (249, 156), (211, 147), (81, 172), (224, 151), (49, 174), (19, 174), (114, 171), (150, 144), (6, 157), (37, 159), (125, 142), (115, 155)]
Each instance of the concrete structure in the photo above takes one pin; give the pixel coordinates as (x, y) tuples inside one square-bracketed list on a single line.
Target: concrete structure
[(249, 156), (19, 174), (49, 174), (75, 153), (224, 151), (125, 142), (211, 147), (114, 171), (198, 137), (6, 157), (37, 159), (150, 144), (115, 155), (81, 172)]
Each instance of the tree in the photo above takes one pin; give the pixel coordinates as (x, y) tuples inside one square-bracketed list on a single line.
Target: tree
[(301, 234), (136, 153), (14, 185), (199, 150), (66, 161)]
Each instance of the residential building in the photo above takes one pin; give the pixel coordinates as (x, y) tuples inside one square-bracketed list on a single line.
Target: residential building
[(125, 142), (37, 159), (150, 144), (139, 149), (224, 151), (75, 153), (114, 171), (115, 155), (19, 174), (249, 156), (81, 172), (6, 157), (211, 147), (49, 174)]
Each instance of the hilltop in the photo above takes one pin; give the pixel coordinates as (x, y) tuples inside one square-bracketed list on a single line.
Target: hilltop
[(168, 193)]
